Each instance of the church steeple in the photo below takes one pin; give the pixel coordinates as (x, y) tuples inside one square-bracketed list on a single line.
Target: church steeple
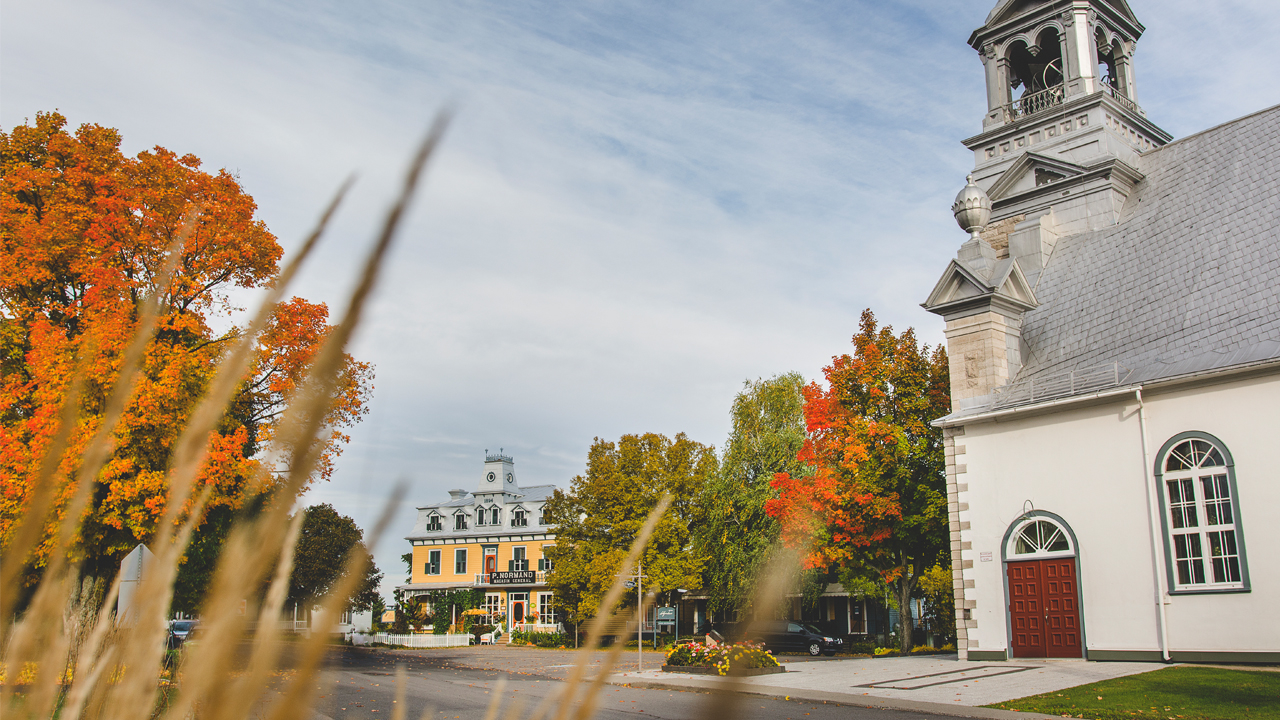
[(1039, 54), (1061, 104)]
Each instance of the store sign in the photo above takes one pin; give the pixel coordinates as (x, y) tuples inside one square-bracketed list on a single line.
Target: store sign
[(517, 577), (666, 613)]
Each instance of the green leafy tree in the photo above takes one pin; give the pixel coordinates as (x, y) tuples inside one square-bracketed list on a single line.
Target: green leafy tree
[(936, 587), (200, 560), (596, 521), (768, 433), (876, 501), (447, 606), (323, 544)]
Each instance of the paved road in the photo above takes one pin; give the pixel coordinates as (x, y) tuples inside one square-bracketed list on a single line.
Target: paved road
[(361, 684)]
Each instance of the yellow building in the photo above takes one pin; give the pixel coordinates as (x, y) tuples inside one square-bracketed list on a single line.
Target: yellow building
[(491, 538)]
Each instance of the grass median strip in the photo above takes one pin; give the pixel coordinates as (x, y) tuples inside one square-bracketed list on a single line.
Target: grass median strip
[(1176, 693)]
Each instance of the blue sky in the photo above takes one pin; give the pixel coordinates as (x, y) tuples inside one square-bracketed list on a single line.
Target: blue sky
[(639, 206)]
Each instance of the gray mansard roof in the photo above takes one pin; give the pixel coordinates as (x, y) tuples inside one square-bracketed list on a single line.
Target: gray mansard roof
[(1187, 281), (528, 498)]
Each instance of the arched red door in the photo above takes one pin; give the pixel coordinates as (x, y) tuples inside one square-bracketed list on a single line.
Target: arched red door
[(1044, 608)]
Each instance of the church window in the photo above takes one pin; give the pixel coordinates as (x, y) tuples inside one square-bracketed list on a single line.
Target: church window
[(1039, 537), (1201, 515), (433, 523)]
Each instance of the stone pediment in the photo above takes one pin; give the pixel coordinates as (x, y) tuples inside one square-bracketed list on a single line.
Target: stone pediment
[(1009, 9), (1031, 171), (966, 287)]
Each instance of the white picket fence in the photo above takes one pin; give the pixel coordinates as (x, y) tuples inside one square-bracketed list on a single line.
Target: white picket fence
[(416, 640)]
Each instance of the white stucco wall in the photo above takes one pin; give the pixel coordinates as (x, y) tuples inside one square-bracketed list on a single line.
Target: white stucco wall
[(1086, 465)]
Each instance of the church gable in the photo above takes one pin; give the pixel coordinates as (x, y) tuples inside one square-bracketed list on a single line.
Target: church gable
[(1031, 171), (962, 283), (1009, 9)]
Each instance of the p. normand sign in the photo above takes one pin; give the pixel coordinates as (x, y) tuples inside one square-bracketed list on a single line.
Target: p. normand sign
[(514, 577)]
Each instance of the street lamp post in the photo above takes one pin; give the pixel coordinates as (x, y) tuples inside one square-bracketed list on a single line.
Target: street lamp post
[(682, 591), (639, 586)]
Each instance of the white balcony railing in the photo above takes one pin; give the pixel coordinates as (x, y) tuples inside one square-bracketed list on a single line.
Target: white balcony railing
[(1032, 103), (1118, 95)]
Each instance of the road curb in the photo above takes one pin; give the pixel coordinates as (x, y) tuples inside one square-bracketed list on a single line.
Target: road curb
[(868, 701)]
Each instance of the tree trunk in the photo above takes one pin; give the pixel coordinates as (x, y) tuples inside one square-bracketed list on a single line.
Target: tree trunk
[(905, 583)]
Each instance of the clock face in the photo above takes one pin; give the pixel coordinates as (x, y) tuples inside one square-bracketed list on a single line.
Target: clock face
[(492, 477)]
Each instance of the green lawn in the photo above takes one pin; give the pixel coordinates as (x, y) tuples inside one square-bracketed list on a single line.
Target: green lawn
[(1176, 693)]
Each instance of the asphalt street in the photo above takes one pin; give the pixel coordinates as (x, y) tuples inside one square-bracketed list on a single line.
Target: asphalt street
[(360, 684)]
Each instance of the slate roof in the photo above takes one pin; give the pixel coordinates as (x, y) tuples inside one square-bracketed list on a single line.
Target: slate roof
[(1187, 280)]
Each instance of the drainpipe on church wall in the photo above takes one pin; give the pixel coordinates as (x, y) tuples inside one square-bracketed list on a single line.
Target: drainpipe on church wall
[(1153, 520)]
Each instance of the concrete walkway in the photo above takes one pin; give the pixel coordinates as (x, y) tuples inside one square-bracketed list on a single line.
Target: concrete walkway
[(919, 683)]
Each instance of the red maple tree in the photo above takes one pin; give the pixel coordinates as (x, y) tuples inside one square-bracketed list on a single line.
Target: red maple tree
[(85, 231), (876, 501)]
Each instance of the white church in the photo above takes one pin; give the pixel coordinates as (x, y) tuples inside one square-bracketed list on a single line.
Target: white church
[(1113, 326)]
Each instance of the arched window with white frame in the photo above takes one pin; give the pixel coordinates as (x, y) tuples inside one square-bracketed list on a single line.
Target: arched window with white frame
[(1039, 537), (1200, 514)]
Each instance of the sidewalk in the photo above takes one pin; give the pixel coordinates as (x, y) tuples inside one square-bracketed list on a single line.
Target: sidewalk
[(937, 684)]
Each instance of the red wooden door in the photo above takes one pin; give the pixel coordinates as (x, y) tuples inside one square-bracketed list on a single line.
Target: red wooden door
[(1025, 610), (1044, 609), (1061, 608)]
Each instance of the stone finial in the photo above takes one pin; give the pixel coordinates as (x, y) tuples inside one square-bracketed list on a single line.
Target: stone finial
[(972, 209)]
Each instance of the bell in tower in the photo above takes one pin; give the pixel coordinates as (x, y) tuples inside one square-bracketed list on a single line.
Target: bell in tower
[(1063, 129)]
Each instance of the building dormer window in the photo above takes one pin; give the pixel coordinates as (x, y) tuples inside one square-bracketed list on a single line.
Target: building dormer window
[(482, 517), (433, 523), (542, 515), (460, 521), (519, 518)]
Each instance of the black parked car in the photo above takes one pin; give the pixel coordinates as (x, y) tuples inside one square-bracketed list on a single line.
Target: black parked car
[(179, 631), (791, 636)]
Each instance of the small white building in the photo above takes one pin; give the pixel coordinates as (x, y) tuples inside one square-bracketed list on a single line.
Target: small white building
[(1113, 327)]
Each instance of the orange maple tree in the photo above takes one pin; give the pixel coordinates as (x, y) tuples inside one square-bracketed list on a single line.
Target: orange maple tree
[(83, 234), (876, 501)]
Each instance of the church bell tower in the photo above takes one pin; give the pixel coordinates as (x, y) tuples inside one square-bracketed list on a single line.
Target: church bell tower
[(1062, 117), (1059, 154)]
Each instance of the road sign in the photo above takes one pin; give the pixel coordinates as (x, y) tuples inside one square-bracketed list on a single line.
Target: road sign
[(630, 584)]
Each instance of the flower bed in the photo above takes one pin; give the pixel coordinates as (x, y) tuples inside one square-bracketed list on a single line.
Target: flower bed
[(745, 658), (740, 672)]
